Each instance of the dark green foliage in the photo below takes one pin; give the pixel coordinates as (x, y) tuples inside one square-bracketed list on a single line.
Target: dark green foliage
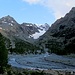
[(1, 70), (7, 43), (9, 73), (55, 47), (19, 74), (22, 46), (3, 52), (62, 27), (24, 72), (67, 33), (70, 48), (36, 73), (70, 32)]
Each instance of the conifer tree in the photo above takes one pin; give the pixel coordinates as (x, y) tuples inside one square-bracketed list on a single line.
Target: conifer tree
[(3, 52)]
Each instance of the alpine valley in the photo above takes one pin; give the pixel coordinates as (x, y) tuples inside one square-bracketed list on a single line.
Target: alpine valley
[(28, 37), (31, 49)]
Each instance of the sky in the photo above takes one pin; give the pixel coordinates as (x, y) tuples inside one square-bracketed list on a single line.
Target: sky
[(35, 11)]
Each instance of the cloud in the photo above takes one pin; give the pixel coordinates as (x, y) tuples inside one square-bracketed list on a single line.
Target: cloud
[(32, 1), (59, 8)]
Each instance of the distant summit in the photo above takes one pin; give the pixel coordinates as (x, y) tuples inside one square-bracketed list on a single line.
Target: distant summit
[(8, 19)]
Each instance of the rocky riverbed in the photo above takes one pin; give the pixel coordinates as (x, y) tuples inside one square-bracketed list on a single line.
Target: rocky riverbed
[(42, 62), (50, 64)]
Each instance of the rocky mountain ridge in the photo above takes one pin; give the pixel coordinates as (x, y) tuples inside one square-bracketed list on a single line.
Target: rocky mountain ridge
[(61, 35), (25, 31)]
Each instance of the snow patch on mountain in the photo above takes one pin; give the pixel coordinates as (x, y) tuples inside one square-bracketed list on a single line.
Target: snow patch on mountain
[(37, 34), (42, 29), (10, 24)]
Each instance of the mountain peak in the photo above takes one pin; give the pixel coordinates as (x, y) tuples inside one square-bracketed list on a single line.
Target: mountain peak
[(45, 26), (71, 14), (8, 16), (8, 19), (73, 9)]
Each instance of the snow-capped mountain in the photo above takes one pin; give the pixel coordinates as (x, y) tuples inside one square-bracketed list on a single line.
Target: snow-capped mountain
[(34, 31), (41, 30), (44, 27), (25, 31)]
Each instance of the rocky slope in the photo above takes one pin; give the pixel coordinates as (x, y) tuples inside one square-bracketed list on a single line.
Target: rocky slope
[(61, 35), (25, 31)]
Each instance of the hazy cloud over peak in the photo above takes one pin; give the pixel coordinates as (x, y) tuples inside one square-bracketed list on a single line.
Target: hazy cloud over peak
[(60, 8), (32, 1)]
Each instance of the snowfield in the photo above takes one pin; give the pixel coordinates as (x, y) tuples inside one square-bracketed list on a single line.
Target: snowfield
[(42, 62)]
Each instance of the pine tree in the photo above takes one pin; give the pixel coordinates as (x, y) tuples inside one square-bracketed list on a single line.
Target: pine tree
[(3, 52)]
